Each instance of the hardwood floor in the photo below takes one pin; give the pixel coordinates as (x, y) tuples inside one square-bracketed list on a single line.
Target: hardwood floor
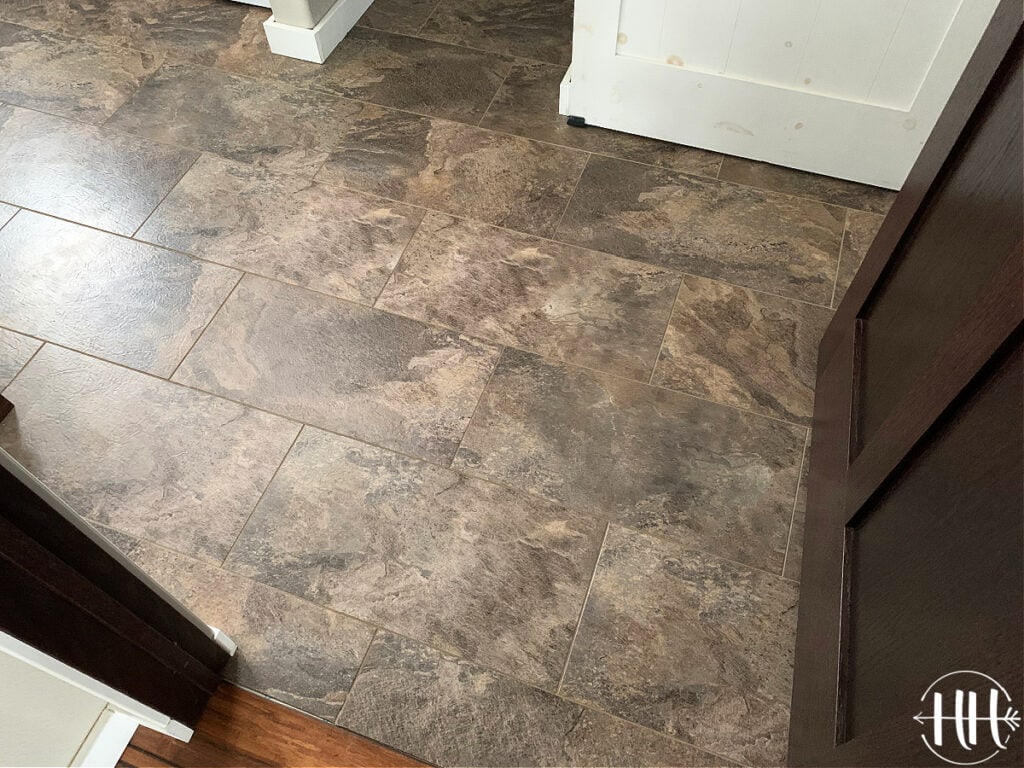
[(239, 728)]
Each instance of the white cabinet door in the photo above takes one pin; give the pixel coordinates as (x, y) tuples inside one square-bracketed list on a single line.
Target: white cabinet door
[(848, 88)]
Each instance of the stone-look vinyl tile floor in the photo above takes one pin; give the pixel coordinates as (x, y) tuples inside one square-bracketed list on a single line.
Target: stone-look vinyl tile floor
[(482, 435)]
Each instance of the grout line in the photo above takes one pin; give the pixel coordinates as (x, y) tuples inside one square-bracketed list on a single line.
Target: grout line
[(263, 493), (206, 327), (422, 26), (491, 102), (398, 263), (796, 500), (668, 324), (583, 608), (568, 202), (25, 365), (359, 670), (480, 399), (839, 261), (167, 193)]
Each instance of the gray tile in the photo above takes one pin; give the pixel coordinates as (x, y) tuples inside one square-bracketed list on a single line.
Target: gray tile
[(455, 168), (457, 714), (402, 16), (467, 566), (90, 175), (288, 649), (861, 229), (743, 348), (527, 105), (15, 351), (111, 297), (575, 305), (795, 551), (68, 77), (533, 29), (694, 646), (6, 213), (381, 378), (241, 118), (793, 182), (762, 240), (413, 74), (708, 476), (285, 227), (142, 455)]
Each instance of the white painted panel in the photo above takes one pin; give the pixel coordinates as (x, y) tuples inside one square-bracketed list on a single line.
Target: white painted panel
[(43, 720), (770, 40), (697, 34), (640, 25), (917, 39), (847, 46)]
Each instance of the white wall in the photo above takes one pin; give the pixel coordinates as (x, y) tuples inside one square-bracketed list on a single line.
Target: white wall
[(43, 720)]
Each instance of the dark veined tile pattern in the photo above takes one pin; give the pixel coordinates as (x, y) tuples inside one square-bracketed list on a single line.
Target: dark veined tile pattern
[(464, 565), (706, 475), (690, 645), (149, 458), (111, 297), (861, 229), (288, 649), (580, 306), (369, 374), (451, 712), (402, 16), (91, 175), (283, 226)]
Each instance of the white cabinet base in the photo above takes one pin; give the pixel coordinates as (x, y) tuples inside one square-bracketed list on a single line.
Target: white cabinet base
[(317, 43)]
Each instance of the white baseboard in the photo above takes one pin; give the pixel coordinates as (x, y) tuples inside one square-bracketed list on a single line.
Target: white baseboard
[(317, 43), (106, 741)]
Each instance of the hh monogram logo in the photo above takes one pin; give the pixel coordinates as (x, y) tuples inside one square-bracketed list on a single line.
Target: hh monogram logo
[(957, 732)]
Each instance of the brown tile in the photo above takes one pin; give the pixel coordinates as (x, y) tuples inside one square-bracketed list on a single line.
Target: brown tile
[(861, 229), (283, 226), (451, 712), (766, 241), (795, 550), (240, 118), (402, 16), (417, 75), (288, 649), (690, 645), (107, 296), (68, 77), (575, 305), (378, 377), (90, 175), (144, 456), (708, 476), (793, 182), (743, 348), (489, 574), (455, 168), (533, 29), (15, 351), (527, 105)]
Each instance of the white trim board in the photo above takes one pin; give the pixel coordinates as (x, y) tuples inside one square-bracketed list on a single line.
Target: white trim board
[(106, 741), (315, 44)]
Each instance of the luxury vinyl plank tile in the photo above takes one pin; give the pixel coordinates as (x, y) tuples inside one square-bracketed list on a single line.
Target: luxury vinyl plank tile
[(762, 240), (413, 74), (402, 16), (375, 376), (690, 645), (527, 105), (114, 298), (533, 29), (706, 475), (15, 351), (68, 77), (283, 226), (793, 182), (456, 168), (461, 564), (795, 551), (94, 176), (743, 348), (451, 712), (288, 649), (145, 456), (580, 306), (861, 229), (240, 118)]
